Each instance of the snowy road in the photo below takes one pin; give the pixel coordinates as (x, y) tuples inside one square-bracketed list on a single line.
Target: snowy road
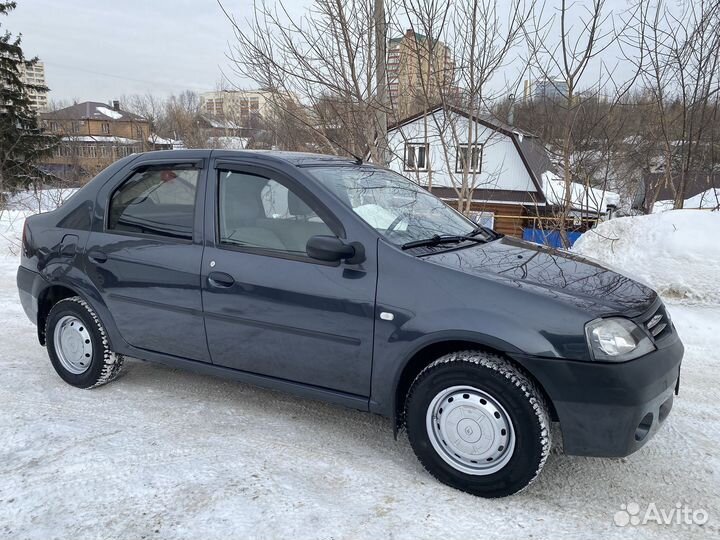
[(167, 454)]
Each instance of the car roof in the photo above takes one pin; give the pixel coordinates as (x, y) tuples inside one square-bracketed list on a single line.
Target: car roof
[(299, 159)]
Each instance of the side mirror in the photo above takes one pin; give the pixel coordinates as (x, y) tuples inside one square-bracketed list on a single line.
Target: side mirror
[(332, 249)]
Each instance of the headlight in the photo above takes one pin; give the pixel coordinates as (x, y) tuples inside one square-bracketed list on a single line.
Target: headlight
[(617, 339)]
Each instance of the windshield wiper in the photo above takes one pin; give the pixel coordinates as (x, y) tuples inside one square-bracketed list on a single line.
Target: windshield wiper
[(442, 239), (491, 234), (449, 238)]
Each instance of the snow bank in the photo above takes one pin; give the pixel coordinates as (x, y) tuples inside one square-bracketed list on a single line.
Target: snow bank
[(11, 225), (707, 199), (44, 200), (676, 252), (21, 205)]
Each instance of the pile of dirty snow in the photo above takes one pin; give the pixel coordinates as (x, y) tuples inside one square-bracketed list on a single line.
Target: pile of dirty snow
[(676, 252)]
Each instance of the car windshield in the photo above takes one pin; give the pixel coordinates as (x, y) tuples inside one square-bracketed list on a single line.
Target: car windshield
[(396, 207)]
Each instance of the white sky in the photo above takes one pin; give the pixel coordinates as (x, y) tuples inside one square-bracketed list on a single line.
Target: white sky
[(101, 50)]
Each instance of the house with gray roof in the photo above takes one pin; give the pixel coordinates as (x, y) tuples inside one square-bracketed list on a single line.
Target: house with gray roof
[(93, 135)]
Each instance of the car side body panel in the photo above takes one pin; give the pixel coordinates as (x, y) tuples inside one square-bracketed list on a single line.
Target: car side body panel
[(290, 317), (150, 285), (57, 240)]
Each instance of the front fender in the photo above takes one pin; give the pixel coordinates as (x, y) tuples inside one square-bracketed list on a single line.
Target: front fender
[(399, 341), (426, 304)]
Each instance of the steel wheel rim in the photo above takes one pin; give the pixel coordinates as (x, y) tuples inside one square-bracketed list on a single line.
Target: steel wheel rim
[(73, 344), (470, 430)]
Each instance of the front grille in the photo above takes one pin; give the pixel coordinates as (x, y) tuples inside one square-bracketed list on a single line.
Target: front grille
[(658, 323)]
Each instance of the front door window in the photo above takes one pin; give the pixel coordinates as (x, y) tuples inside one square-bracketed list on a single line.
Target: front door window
[(259, 212)]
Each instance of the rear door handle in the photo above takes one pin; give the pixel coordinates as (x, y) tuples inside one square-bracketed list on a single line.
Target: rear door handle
[(97, 256), (220, 279)]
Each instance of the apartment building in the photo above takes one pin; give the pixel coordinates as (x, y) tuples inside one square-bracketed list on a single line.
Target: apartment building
[(545, 88), (420, 70), (35, 75), (242, 108)]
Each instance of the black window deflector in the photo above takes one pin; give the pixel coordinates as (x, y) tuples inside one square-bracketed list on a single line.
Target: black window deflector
[(176, 165)]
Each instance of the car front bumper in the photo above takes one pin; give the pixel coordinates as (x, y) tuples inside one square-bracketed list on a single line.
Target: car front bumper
[(610, 409)]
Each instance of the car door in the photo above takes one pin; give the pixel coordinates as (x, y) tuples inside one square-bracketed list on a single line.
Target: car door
[(145, 251), (269, 308)]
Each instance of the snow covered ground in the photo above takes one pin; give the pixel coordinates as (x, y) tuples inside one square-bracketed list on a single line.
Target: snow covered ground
[(161, 453)]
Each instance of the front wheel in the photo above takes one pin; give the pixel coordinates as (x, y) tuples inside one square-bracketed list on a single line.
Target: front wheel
[(478, 424)]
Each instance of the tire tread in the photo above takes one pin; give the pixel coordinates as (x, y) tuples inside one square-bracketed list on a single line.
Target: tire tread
[(112, 362), (516, 377)]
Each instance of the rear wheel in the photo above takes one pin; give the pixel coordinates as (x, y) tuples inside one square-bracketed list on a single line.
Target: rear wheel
[(77, 345), (478, 424)]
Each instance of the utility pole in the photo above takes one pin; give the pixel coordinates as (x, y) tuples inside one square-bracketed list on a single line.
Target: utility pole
[(381, 81)]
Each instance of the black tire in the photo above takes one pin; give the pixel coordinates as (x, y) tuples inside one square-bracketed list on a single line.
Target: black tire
[(103, 365), (512, 391)]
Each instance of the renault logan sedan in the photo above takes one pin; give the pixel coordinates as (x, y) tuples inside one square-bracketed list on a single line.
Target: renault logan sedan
[(346, 282)]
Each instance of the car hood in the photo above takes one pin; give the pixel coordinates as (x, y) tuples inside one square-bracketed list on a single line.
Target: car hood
[(578, 280)]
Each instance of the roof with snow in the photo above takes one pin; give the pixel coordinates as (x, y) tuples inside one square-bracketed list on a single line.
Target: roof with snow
[(92, 110), (582, 198), (657, 187), (709, 199), (100, 139), (154, 138), (228, 143)]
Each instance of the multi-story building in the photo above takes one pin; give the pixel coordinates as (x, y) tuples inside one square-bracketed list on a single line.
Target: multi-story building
[(93, 135), (35, 75), (546, 88), (419, 71), (239, 107)]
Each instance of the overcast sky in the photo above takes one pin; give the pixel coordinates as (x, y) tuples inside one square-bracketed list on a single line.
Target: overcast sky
[(100, 50)]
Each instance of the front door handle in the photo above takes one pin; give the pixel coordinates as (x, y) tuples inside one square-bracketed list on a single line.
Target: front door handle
[(97, 256), (220, 279)]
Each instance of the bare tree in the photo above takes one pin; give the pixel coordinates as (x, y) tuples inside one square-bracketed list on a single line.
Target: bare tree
[(681, 76), (149, 106), (481, 36), (328, 56), (561, 48), (181, 120)]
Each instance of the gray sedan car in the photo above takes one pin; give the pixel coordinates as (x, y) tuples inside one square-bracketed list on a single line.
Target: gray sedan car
[(347, 282)]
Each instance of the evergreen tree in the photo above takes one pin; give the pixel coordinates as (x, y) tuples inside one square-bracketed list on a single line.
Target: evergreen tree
[(22, 142)]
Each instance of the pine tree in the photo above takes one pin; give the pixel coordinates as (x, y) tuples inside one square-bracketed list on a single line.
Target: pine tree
[(22, 142)]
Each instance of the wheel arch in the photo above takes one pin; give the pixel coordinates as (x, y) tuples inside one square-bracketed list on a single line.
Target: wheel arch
[(51, 295), (430, 352)]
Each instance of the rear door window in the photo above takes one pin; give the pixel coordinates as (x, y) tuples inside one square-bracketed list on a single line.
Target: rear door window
[(158, 202)]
